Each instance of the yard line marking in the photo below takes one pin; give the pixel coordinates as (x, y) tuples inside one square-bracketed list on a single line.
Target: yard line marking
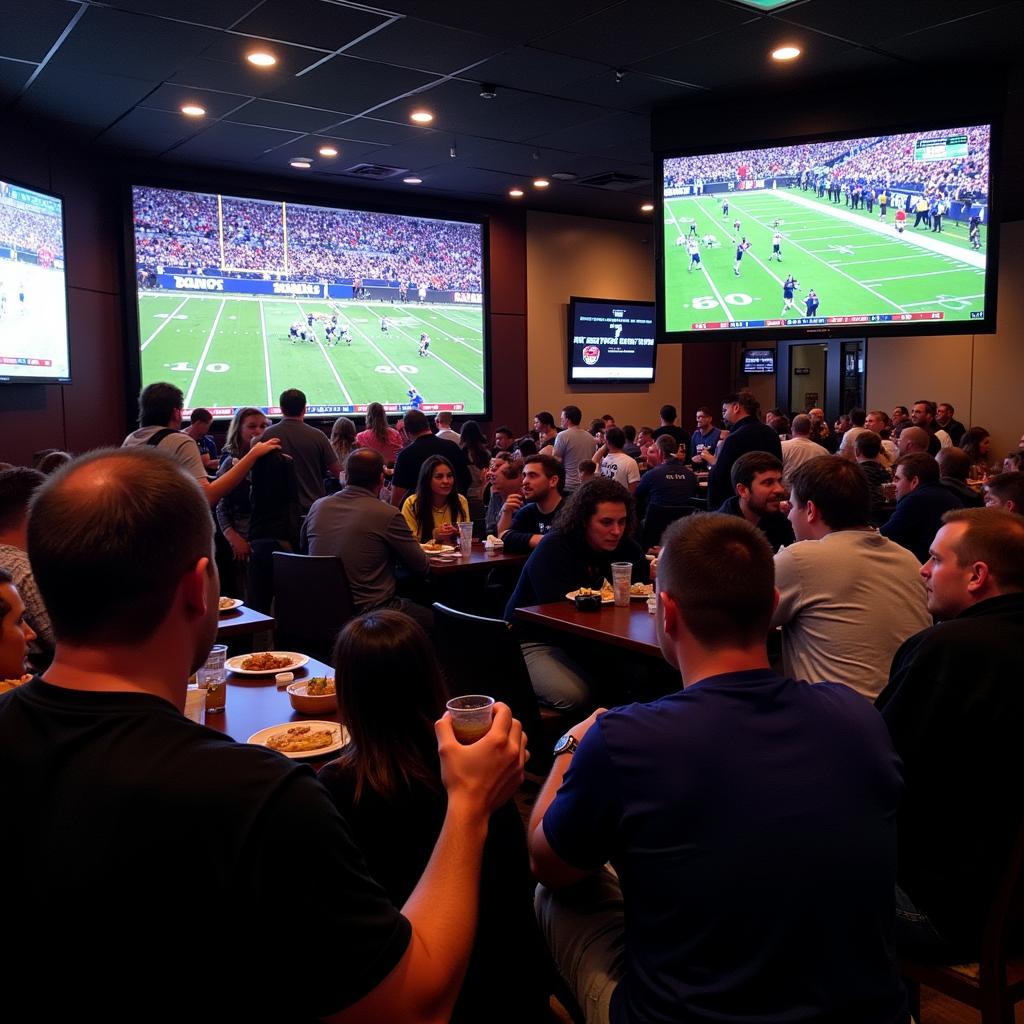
[(434, 355), (958, 298), (334, 369), (266, 357), (169, 318), (904, 277), (707, 276), (884, 259), (202, 358)]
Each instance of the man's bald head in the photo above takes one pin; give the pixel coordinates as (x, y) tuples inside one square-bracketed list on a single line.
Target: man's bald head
[(364, 468), (110, 538), (913, 439)]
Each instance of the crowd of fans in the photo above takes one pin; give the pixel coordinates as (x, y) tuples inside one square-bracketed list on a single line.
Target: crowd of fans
[(28, 230), (180, 230)]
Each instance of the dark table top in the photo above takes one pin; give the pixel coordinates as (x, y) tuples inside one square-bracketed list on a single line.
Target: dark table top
[(633, 628), (242, 621), (479, 561)]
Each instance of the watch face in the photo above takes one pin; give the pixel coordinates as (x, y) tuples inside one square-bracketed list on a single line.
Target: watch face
[(565, 743)]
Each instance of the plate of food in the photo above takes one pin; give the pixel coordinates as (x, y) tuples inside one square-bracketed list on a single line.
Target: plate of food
[(607, 595), (265, 663), (229, 604), (640, 591), (433, 548), (302, 739)]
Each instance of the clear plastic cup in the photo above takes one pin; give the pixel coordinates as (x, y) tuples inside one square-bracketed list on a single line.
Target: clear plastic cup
[(465, 539), (471, 716), (622, 575), (212, 678), (195, 704)]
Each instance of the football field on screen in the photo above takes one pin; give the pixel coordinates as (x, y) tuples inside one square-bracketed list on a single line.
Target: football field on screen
[(856, 263), (233, 351)]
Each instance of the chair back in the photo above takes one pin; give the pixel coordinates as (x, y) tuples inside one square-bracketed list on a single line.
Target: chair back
[(312, 601), (481, 655), (658, 518)]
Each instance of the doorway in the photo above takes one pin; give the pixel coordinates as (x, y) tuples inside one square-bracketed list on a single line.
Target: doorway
[(826, 375)]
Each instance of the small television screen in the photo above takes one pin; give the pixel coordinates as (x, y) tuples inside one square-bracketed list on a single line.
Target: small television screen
[(34, 346), (241, 298), (888, 234), (759, 360), (610, 341)]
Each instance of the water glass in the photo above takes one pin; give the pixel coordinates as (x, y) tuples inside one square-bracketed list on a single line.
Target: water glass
[(622, 576), (465, 539), (212, 678)]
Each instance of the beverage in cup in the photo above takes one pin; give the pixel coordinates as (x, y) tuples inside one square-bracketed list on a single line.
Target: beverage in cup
[(212, 678), (471, 716), (622, 575), (465, 539)]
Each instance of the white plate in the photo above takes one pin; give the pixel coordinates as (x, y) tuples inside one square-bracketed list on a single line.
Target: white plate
[(340, 738), (235, 664), (235, 602), (641, 597), (571, 596), (444, 549)]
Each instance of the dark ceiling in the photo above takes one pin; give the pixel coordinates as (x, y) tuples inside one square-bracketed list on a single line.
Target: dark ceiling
[(576, 81)]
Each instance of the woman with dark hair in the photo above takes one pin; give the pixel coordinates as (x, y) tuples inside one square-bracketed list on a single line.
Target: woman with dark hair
[(378, 435), (593, 529), (387, 785), (478, 459), (433, 511), (977, 442), (526, 446), (234, 510)]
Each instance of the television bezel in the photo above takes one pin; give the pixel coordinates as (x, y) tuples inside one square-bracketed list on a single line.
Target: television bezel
[(317, 195), (984, 112), (69, 379), (760, 373), (570, 334)]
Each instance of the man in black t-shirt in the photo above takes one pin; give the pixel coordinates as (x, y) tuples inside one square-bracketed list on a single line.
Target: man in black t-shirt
[(522, 526), (129, 817), (668, 426)]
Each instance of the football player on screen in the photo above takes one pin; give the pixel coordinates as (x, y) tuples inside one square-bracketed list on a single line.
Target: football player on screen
[(741, 248), (424, 345), (776, 253), (812, 302), (789, 287), (693, 248)]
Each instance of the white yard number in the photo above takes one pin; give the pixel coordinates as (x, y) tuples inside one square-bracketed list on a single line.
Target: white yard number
[(732, 299), (182, 367), (392, 369), (217, 367)]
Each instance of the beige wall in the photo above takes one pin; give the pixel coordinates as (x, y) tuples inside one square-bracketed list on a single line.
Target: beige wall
[(600, 258), (979, 374)]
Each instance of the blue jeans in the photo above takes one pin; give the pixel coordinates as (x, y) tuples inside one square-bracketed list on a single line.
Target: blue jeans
[(913, 933)]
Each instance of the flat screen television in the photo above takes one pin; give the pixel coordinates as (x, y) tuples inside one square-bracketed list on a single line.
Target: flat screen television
[(610, 340), (34, 346), (240, 298), (759, 360), (886, 234)]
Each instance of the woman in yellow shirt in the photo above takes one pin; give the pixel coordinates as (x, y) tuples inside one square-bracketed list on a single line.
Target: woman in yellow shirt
[(436, 507)]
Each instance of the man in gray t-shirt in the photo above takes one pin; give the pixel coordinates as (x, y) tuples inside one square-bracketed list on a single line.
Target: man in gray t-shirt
[(573, 445), (308, 447)]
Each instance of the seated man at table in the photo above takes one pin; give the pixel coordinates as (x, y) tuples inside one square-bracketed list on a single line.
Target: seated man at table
[(522, 526), (749, 820), (368, 536), (954, 472), (848, 597), (954, 707), (1005, 490), (921, 501), (142, 835), (670, 483), (757, 480), (592, 532), (15, 633)]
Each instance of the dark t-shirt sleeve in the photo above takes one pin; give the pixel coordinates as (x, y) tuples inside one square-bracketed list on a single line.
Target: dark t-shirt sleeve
[(524, 526), (405, 473), (350, 923)]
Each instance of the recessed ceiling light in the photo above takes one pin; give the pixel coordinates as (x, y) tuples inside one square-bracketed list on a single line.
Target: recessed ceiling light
[(421, 116), (647, 207), (327, 151), (302, 163), (786, 53), (413, 180), (564, 176), (541, 182), (193, 110), (516, 193), (261, 59)]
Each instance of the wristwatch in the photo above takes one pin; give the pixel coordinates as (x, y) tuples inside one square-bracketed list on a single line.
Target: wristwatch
[(566, 744)]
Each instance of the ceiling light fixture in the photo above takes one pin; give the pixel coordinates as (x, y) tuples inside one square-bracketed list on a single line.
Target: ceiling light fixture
[(193, 110), (541, 182), (516, 193), (302, 163), (488, 91), (413, 180), (421, 116), (786, 53), (261, 59), (327, 151), (647, 208)]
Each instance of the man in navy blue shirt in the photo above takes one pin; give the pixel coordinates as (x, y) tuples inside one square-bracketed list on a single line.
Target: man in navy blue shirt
[(921, 501), (749, 820), (670, 483), (746, 434), (705, 437), (523, 525)]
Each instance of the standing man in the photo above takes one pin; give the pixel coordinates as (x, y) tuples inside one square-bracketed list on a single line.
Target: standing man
[(199, 423), (668, 426), (921, 501), (944, 421), (526, 517), (954, 707), (746, 434), (670, 483), (848, 597), (757, 480), (573, 445), (706, 437), (443, 420), (848, 445), (922, 414), (751, 875), (544, 425), (421, 446), (616, 464), (310, 451)]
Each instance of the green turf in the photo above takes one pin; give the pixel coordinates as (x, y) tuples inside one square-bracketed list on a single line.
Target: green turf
[(854, 268), (225, 351)]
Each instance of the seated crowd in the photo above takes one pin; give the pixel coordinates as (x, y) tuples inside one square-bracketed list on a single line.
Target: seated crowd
[(748, 829)]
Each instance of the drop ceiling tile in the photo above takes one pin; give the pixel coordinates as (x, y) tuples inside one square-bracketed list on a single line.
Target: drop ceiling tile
[(221, 14), (429, 47), (224, 142), (369, 129), (1003, 28), (31, 27), (317, 23), (13, 75), (635, 92), (285, 115), (307, 146), (84, 98), (148, 131), (171, 97), (526, 67)]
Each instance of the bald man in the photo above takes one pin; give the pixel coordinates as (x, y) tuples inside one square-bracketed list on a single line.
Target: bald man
[(914, 439)]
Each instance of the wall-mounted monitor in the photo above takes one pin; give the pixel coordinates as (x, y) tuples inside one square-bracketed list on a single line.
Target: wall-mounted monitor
[(610, 341), (34, 346), (759, 360), (239, 298), (885, 234)]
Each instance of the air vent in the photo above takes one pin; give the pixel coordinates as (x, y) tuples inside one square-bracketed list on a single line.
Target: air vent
[(615, 180), (375, 171)]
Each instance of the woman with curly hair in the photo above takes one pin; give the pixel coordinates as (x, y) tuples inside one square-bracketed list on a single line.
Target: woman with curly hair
[(977, 442), (593, 529), (434, 510)]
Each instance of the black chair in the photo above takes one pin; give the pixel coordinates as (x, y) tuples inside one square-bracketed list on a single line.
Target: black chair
[(481, 655), (312, 601), (658, 518)]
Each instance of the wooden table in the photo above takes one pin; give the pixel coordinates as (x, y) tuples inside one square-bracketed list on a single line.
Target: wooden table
[(633, 628), (241, 622), (255, 702), (479, 561)]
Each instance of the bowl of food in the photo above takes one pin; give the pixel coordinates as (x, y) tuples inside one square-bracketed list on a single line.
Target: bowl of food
[(315, 696)]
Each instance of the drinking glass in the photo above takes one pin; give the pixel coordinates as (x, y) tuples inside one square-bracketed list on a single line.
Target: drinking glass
[(465, 539), (212, 677), (471, 716), (622, 575)]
